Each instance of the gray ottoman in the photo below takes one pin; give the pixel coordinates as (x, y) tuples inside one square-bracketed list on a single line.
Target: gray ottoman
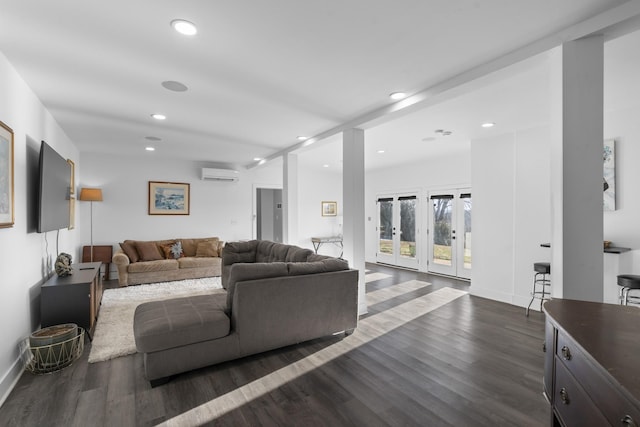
[(160, 325)]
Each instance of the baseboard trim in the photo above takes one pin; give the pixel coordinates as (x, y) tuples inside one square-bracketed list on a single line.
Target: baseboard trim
[(10, 379)]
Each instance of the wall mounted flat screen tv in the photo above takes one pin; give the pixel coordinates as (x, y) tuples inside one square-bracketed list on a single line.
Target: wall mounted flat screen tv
[(53, 194)]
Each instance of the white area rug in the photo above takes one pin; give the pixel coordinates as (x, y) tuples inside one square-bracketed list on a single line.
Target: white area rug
[(113, 336)]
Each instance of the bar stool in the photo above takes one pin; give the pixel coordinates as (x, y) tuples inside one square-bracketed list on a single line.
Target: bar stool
[(541, 283), (627, 283)]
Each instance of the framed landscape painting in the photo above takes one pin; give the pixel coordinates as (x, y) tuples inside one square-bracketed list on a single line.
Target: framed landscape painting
[(6, 176), (168, 198)]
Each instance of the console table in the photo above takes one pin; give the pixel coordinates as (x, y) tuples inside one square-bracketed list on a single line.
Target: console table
[(319, 241), (73, 299), (592, 369)]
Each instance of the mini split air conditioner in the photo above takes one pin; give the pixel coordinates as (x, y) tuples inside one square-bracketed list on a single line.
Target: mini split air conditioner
[(226, 175)]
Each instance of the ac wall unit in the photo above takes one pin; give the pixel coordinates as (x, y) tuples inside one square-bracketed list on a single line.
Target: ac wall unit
[(226, 175)]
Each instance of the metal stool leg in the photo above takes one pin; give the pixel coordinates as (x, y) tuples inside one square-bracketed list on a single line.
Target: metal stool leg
[(541, 293), (533, 294)]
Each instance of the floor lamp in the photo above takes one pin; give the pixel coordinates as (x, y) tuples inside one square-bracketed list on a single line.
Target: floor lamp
[(91, 195)]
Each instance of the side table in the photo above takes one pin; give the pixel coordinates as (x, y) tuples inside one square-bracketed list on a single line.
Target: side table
[(102, 253)]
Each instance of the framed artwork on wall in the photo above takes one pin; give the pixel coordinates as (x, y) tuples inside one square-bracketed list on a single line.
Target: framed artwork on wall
[(329, 208), (6, 176), (609, 175), (168, 198)]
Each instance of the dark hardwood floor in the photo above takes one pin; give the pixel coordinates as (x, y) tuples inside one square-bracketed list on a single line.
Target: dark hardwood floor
[(426, 354)]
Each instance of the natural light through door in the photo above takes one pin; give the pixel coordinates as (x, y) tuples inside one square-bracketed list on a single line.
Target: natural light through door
[(397, 230), (450, 233)]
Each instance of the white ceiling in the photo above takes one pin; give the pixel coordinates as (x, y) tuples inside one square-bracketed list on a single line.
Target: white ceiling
[(261, 73)]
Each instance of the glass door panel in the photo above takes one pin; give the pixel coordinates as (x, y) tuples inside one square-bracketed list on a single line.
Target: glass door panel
[(442, 234), (464, 246), (408, 230), (385, 251)]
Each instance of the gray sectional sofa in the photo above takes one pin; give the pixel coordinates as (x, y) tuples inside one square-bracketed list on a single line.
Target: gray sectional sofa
[(276, 295)]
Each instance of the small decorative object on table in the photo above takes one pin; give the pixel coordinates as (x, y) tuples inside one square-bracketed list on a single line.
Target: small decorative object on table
[(63, 265), (607, 244)]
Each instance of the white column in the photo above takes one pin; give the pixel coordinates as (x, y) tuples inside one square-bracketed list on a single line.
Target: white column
[(290, 199), (576, 170), (353, 206)]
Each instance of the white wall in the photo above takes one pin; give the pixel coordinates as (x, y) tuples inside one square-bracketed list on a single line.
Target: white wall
[(25, 258), (316, 185), (621, 226), (511, 213), (219, 209), (434, 174)]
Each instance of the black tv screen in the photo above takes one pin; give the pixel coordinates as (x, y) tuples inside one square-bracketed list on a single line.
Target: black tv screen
[(53, 195)]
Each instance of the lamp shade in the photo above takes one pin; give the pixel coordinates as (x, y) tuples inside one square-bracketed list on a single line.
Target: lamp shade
[(91, 194)]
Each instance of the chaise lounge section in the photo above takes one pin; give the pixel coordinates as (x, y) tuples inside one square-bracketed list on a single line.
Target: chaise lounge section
[(276, 295)]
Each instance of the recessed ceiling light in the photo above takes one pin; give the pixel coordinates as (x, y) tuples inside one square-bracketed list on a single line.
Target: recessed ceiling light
[(184, 27), (302, 138), (488, 125), (325, 166), (158, 116), (380, 151), (152, 138), (397, 95), (257, 159), (150, 149), (174, 86)]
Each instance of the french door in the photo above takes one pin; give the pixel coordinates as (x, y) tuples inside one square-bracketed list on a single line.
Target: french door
[(450, 233), (397, 230)]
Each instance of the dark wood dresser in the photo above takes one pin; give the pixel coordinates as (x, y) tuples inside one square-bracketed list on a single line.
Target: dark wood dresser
[(592, 363)]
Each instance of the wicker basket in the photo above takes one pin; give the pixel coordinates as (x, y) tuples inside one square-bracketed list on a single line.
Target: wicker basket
[(44, 359)]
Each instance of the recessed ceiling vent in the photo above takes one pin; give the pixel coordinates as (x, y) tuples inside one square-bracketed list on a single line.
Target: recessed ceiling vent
[(223, 175)]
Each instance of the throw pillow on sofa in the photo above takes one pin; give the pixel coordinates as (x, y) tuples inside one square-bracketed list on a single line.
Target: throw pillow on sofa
[(148, 251), (172, 250), (129, 248), (207, 249)]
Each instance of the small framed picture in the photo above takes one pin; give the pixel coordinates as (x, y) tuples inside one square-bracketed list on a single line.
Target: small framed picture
[(168, 198), (329, 208)]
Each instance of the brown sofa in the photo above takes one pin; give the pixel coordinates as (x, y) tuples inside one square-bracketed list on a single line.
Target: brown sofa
[(165, 260), (276, 295)]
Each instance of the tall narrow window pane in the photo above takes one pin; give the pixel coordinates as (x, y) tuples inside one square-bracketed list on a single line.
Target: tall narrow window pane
[(467, 231), (442, 230), (386, 226), (408, 226)]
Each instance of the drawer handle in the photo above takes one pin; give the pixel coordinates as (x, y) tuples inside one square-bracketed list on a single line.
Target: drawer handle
[(628, 421), (564, 396), (566, 353)]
